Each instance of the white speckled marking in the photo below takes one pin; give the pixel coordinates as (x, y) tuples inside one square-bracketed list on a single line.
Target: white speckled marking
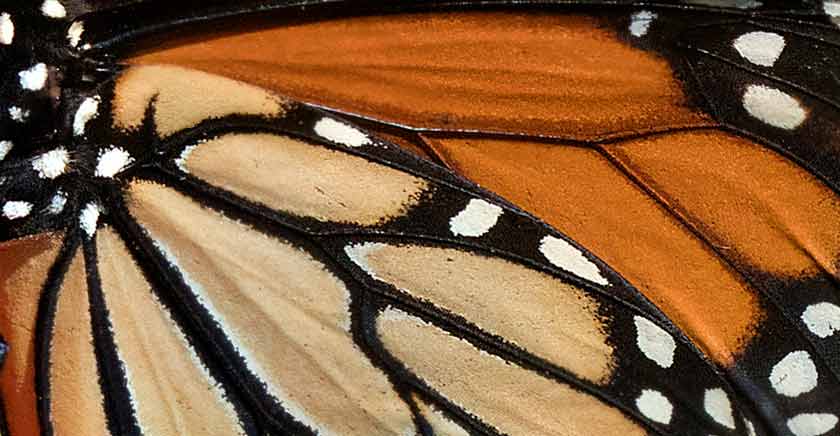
[(359, 253), (812, 424), (476, 219), (7, 29), (640, 23), (719, 408), (18, 114), (564, 255), (5, 148), (341, 133), (89, 218), (52, 163), (773, 107), (794, 375), (16, 209), (181, 161), (750, 427), (656, 344), (74, 33), (87, 111), (53, 9), (655, 406), (112, 161), (34, 78), (760, 48), (57, 203), (822, 319)]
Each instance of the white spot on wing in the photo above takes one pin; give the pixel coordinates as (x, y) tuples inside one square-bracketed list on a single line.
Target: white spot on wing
[(181, 161), (89, 218), (760, 48), (566, 256), (718, 407), (794, 375), (832, 9), (5, 148), (476, 219), (341, 133), (7, 29), (112, 161), (18, 114), (74, 33), (655, 406), (656, 344), (812, 424), (34, 78), (750, 427), (53, 9), (57, 203), (16, 209), (87, 111), (640, 23), (822, 319), (52, 163), (773, 107)]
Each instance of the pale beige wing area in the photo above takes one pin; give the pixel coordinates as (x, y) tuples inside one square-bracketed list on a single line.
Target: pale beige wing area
[(76, 400), (440, 423), (287, 315), (172, 392), (512, 399)]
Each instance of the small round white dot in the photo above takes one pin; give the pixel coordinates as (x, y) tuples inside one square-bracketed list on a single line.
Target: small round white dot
[(74, 33), (812, 424), (34, 78), (87, 111), (5, 148), (717, 405), (52, 163), (341, 133), (89, 218), (655, 406), (564, 255), (760, 48), (656, 344), (57, 203), (53, 9), (773, 107), (7, 29), (477, 218), (112, 161), (16, 209), (794, 375), (822, 319)]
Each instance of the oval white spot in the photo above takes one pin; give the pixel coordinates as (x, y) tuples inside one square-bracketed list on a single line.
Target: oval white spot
[(87, 111), (719, 408), (476, 219), (18, 114), (52, 163), (794, 375), (812, 424), (341, 133), (656, 344), (760, 48), (5, 148), (7, 29), (57, 203), (655, 406), (89, 218), (750, 427), (640, 23), (773, 107), (53, 9), (566, 256), (34, 78), (16, 209), (112, 161), (74, 33), (822, 319)]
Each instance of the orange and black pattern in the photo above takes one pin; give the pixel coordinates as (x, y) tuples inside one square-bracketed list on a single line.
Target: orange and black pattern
[(431, 218)]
